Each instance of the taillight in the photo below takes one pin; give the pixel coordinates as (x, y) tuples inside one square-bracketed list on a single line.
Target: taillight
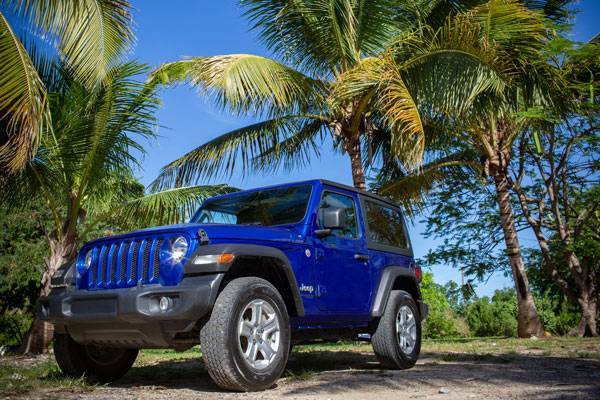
[(418, 273)]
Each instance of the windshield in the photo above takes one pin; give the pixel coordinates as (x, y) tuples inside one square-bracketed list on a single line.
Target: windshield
[(281, 206)]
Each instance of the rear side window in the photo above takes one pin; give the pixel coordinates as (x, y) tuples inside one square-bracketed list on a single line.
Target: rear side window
[(385, 225)]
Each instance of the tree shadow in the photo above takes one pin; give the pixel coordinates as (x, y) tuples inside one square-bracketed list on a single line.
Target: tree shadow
[(334, 372)]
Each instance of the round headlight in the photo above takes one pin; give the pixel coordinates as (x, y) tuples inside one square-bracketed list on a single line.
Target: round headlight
[(179, 247), (88, 258)]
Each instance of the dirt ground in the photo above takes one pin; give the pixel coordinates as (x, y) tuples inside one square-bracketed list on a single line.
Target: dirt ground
[(350, 374)]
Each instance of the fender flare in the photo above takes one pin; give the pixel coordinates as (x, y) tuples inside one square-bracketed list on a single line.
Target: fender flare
[(245, 250), (386, 282)]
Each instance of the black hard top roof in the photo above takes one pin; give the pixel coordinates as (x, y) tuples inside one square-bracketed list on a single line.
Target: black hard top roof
[(323, 182), (359, 191)]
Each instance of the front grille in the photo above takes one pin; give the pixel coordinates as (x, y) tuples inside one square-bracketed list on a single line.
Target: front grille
[(126, 260)]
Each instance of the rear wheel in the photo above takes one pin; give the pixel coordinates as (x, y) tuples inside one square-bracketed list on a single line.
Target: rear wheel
[(245, 343), (397, 339), (101, 363)]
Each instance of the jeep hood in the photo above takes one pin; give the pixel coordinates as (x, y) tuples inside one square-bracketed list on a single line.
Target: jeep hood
[(215, 232)]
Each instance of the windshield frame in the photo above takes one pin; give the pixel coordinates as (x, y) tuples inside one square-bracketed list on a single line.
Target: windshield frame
[(196, 215)]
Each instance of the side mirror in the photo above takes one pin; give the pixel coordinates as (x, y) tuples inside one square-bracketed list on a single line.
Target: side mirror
[(333, 218)]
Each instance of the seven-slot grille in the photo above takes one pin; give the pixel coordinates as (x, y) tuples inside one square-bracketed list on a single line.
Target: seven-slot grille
[(124, 263)]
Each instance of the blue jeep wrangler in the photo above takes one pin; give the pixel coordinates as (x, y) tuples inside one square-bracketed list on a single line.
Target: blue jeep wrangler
[(252, 274)]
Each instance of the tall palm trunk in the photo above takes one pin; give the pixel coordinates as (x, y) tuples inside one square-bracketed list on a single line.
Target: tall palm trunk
[(346, 127), (529, 322), (39, 335), (358, 173)]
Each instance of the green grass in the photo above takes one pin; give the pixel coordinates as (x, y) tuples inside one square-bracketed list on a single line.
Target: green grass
[(556, 346), (20, 380)]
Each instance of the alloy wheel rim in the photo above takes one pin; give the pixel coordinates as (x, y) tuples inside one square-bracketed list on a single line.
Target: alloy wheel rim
[(259, 334), (406, 329)]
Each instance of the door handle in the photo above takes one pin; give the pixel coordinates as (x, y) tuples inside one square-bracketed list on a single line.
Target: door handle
[(361, 257)]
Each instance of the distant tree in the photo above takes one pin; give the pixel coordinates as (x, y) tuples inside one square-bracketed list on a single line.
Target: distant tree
[(500, 45), (560, 201), (85, 163)]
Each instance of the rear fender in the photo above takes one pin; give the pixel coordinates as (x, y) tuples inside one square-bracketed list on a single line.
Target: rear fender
[(395, 278)]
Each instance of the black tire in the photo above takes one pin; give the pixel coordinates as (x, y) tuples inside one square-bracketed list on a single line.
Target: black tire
[(394, 349), (102, 364), (224, 346)]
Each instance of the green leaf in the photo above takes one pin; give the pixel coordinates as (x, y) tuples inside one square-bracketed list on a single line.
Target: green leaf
[(245, 83), (23, 106)]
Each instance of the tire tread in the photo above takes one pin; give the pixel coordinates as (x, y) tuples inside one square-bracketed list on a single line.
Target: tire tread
[(384, 339)]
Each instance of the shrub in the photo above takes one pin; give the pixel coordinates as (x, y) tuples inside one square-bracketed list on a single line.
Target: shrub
[(440, 324), (494, 318)]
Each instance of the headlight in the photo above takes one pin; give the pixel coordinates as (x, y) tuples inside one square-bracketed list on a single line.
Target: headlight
[(179, 248), (88, 258)]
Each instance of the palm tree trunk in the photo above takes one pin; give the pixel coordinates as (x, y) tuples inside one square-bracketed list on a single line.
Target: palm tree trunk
[(358, 174), (40, 334), (529, 322)]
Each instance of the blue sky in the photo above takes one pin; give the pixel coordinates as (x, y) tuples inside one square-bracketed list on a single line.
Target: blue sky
[(168, 31)]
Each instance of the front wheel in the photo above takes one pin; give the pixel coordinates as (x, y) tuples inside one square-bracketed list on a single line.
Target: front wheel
[(101, 363), (245, 343), (397, 339)]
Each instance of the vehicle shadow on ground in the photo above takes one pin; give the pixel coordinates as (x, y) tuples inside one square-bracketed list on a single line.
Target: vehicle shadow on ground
[(338, 371)]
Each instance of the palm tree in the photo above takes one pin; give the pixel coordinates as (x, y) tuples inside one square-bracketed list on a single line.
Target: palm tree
[(85, 163), (93, 36), (500, 37), (318, 41)]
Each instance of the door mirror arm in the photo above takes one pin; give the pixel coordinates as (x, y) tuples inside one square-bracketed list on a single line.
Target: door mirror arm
[(321, 233)]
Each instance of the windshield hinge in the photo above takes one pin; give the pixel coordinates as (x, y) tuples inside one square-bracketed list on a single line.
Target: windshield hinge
[(202, 237)]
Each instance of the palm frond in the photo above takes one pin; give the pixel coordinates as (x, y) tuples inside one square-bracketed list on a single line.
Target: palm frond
[(411, 189), (167, 207), (322, 36), (381, 80), (245, 83), (221, 155), (23, 108), (294, 152), (515, 29), (556, 10), (94, 35), (112, 122), (439, 10), (447, 69)]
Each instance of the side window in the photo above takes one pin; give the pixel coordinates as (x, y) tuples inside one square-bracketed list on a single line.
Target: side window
[(331, 199), (385, 225)]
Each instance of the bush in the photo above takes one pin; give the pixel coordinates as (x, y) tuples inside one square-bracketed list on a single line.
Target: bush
[(497, 317), (557, 319), (439, 325)]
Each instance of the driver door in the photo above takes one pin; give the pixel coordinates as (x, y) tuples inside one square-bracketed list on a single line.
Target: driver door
[(343, 281)]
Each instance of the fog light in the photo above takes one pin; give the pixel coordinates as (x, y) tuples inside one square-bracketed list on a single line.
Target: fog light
[(165, 304)]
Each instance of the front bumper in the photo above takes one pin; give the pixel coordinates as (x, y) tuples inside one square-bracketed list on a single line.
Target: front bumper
[(130, 317)]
